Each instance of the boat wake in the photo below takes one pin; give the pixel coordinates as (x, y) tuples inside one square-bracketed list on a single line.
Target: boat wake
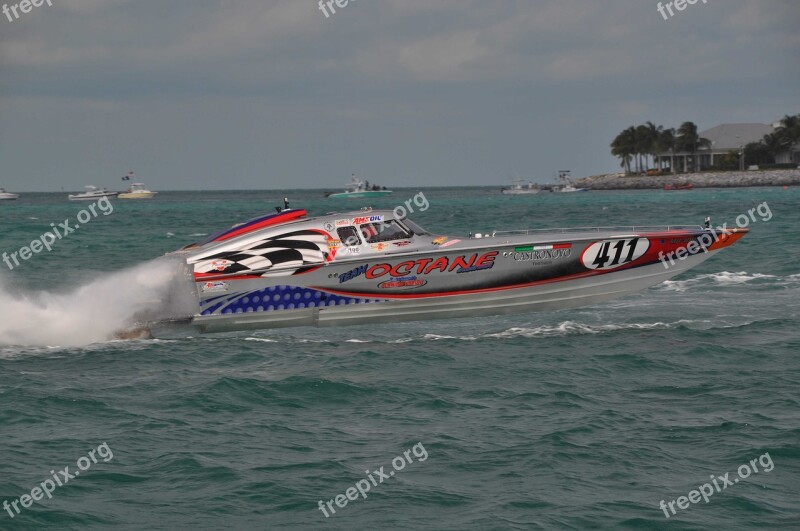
[(724, 278), (97, 311)]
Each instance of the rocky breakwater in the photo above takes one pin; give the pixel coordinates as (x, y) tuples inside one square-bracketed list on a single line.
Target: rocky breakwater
[(698, 180)]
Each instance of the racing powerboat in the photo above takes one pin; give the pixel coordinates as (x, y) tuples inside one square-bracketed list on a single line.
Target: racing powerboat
[(92, 193), (289, 269)]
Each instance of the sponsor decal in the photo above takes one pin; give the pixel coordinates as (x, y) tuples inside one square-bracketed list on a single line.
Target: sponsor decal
[(221, 265), (342, 222), (366, 219), (611, 254), (402, 244), (214, 286), (426, 266), (535, 253), (529, 248), (333, 243), (402, 283), (328, 227), (448, 244), (354, 250), (353, 273), (439, 240), (379, 246)]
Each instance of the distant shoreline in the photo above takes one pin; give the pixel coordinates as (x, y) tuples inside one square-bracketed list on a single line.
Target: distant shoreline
[(736, 179)]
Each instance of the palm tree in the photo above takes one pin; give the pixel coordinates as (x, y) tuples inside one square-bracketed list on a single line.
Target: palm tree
[(774, 143), (789, 131), (624, 146), (654, 136), (666, 142), (689, 140), (644, 143)]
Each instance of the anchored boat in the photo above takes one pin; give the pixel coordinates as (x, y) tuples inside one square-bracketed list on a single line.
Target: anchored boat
[(137, 191), (289, 269), (358, 189), (519, 188), (7, 196), (92, 193)]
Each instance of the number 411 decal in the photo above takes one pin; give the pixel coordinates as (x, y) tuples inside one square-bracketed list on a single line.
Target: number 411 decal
[(610, 254)]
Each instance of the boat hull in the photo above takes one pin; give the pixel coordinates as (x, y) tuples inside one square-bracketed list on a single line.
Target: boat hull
[(136, 195), (452, 278), (360, 195), (507, 191), (94, 197)]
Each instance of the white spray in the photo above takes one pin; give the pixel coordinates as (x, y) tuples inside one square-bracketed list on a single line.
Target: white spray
[(95, 312)]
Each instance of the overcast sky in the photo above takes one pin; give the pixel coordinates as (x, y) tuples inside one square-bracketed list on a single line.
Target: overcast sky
[(221, 94)]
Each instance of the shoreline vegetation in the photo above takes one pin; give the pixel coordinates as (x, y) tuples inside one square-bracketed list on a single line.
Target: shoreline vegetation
[(719, 179), (667, 146)]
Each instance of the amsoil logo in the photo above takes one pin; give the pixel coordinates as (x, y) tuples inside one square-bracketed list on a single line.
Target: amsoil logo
[(366, 219)]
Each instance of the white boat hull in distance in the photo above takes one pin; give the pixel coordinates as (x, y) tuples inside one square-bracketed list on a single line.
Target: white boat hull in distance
[(360, 195), (136, 195), (511, 191), (137, 191), (518, 187), (8, 197), (91, 197)]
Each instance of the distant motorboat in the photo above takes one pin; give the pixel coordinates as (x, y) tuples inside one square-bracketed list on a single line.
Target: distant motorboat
[(569, 188), (91, 193), (518, 188), (568, 185), (358, 189), (7, 196), (137, 191)]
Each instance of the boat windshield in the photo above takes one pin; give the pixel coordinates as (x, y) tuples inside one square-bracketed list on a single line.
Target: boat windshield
[(384, 231), (416, 229)]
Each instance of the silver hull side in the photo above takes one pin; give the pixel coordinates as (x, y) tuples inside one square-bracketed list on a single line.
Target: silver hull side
[(553, 296)]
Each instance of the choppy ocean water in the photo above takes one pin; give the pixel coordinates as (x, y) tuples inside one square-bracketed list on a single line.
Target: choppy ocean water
[(583, 418)]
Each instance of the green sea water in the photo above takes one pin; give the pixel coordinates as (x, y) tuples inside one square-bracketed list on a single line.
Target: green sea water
[(575, 419)]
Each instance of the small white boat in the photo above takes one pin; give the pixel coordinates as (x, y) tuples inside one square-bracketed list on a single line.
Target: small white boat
[(358, 189), (568, 186), (137, 191), (92, 193), (7, 196), (518, 188)]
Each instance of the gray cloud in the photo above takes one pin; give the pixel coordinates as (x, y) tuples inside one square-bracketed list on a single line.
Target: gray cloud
[(220, 94)]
